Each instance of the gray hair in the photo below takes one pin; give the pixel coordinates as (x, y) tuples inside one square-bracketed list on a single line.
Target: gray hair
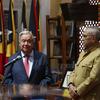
[(93, 31), (26, 32)]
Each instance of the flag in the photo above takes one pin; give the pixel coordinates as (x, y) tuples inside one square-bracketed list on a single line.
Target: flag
[(40, 35), (24, 22), (34, 21), (11, 34), (39, 28), (2, 43)]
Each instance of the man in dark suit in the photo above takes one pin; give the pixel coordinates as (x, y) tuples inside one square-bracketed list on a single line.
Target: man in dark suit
[(38, 73)]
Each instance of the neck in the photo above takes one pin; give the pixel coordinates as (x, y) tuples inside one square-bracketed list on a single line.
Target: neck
[(89, 48), (27, 53)]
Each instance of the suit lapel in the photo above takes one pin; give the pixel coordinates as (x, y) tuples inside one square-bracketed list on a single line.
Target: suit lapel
[(82, 56), (35, 63), (22, 67)]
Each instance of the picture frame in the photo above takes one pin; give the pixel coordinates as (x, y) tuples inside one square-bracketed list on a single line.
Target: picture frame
[(65, 80), (57, 48), (70, 28)]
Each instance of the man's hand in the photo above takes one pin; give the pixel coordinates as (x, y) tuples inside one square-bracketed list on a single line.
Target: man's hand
[(73, 92)]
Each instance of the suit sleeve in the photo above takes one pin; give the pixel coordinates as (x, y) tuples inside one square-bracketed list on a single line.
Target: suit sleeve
[(8, 75), (71, 78), (92, 80), (73, 75)]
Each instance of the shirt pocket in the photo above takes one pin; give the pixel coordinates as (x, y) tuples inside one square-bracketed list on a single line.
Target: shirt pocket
[(86, 68)]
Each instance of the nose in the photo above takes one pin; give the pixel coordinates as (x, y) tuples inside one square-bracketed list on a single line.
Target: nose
[(26, 43)]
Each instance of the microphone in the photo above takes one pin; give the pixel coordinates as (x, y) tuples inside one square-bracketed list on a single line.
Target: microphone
[(14, 60)]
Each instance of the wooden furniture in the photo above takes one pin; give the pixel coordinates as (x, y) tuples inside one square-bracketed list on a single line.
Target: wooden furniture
[(56, 48), (60, 45), (79, 12)]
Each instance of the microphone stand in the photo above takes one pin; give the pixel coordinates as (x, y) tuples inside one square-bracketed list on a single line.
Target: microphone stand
[(13, 61)]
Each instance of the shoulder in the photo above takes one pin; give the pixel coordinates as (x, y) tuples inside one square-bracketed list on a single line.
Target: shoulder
[(96, 52), (15, 55), (39, 54)]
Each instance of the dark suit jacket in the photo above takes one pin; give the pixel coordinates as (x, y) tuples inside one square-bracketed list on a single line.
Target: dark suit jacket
[(40, 74)]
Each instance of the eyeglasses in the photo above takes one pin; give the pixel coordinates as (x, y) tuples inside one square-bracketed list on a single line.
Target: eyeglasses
[(86, 35)]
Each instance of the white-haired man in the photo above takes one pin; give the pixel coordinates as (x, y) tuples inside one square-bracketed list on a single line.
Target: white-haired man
[(85, 79)]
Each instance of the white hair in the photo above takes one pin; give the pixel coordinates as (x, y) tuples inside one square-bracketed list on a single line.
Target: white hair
[(26, 32), (93, 31)]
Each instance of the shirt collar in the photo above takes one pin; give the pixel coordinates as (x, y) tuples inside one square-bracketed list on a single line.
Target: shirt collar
[(92, 48), (31, 54)]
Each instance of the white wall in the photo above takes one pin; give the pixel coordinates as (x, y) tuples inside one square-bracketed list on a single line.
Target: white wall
[(44, 10)]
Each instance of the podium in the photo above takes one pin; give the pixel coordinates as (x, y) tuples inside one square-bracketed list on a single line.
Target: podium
[(7, 92)]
